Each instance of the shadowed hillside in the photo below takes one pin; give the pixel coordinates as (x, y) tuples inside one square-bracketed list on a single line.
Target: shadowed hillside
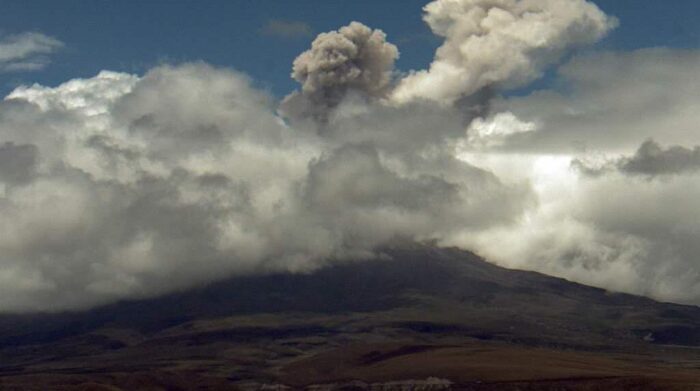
[(417, 312)]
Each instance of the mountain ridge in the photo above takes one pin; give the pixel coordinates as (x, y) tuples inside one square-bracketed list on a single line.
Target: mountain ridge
[(418, 300)]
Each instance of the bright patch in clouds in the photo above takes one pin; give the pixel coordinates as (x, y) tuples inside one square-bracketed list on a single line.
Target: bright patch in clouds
[(494, 131)]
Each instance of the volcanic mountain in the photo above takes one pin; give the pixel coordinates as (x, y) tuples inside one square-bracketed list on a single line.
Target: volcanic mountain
[(416, 317)]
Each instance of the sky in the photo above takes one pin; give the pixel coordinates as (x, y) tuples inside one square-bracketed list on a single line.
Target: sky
[(133, 36), (148, 147)]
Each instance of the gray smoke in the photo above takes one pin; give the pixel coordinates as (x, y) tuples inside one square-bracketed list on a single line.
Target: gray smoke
[(652, 159), (503, 43), (353, 59)]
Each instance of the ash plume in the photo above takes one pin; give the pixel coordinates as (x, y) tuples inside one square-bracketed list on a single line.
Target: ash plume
[(354, 58), (504, 43)]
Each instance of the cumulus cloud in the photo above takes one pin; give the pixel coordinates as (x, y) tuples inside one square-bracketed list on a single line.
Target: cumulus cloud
[(26, 51), (287, 29), (353, 59), (503, 43)]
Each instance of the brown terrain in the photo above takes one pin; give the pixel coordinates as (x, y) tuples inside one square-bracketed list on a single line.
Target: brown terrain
[(419, 318)]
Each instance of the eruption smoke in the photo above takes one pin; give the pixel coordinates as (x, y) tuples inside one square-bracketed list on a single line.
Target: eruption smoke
[(353, 59), (502, 43)]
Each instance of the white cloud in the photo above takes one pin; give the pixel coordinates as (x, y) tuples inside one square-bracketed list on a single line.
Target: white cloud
[(26, 51)]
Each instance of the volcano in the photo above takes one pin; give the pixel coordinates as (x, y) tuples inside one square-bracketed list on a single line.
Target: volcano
[(416, 317)]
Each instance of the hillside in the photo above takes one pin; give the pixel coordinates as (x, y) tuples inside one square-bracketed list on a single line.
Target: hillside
[(415, 313)]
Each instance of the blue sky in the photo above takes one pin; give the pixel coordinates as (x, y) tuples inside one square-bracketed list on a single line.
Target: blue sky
[(133, 36)]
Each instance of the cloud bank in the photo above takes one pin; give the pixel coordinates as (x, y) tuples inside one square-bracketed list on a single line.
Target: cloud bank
[(126, 186)]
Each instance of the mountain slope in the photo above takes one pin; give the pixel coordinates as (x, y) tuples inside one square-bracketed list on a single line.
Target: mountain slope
[(417, 302)]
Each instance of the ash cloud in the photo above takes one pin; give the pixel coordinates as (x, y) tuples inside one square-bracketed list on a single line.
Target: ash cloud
[(504, 43), (355, 59), (17, 162)]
